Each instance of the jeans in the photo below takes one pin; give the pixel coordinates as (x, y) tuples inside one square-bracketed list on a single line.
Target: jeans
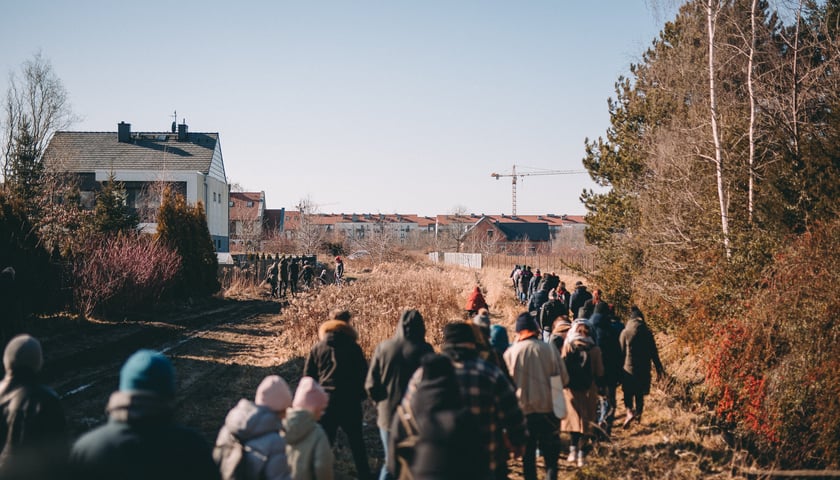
[(385, 436), (542, 429)]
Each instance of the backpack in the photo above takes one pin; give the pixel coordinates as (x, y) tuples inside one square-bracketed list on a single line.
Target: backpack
[(233, 464), (549, 311), (579, 365), (404, 449)]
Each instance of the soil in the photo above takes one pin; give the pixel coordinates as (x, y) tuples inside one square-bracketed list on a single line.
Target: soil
[(222, 348)]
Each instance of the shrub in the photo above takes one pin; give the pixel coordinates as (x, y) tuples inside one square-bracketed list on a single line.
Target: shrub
[(122, 272), (772, 370)]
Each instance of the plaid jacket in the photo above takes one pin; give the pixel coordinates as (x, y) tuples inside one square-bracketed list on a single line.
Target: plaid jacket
[(490, 396)]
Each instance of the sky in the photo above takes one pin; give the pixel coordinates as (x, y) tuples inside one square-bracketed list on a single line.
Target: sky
[(354, 106)]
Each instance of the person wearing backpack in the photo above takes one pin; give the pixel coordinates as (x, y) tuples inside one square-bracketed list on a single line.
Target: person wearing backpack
[(250, 445), (584, 365), (391, 367), (549, 312), (607, 340), (434, 432)]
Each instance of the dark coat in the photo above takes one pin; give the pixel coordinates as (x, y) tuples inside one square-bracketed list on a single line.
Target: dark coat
[(607, 339), (142, 441), (393, 363), (448, 441), (639, 351), (338, 363), (33, 431), (537, 299), (578, 298)]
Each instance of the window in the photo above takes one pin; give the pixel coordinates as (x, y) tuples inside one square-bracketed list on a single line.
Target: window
[(214, 196), (230, 203), (249, 203), (489, 233)]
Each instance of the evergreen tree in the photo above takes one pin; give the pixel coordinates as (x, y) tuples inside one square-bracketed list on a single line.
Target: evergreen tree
[(112, 214), (185, 229), (25, 169)]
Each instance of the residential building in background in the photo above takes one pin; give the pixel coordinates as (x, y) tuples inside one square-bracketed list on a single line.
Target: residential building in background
[(147, 162)]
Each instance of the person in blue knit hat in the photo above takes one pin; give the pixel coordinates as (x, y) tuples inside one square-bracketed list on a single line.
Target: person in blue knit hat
[(141, 439)]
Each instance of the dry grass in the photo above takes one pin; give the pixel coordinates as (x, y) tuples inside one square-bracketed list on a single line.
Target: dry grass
[(673, 442)]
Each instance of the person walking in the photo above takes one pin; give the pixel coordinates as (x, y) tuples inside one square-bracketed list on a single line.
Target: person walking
[(564, 295), (339, 271), (33, 430), (284, 275), (434, 434), (250, 444), (391, 367), (338, 364), (272, 278), (578, 299), (531, 363), (490, 396), (307, 446), (307, 273), (606, 339), (639, 350), (141, 439), (294, 274), (584, 365), (475, 302)]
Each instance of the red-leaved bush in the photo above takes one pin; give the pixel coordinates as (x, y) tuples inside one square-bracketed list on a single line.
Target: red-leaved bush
[(773, 370), (122, 272)]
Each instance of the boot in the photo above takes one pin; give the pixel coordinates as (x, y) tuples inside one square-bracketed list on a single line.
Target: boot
[(580, 461), (629, 419), (572, 454)]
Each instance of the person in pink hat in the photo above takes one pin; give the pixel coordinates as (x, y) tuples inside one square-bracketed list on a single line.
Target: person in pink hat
[(250, 444), (308, 449)]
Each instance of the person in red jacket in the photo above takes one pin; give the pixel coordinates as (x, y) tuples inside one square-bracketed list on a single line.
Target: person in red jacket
[(475, 302)]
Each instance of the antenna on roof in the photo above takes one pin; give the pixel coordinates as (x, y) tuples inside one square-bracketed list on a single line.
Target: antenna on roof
[(174, 121)]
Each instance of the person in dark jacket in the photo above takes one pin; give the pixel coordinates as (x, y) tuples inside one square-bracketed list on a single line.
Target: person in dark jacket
[(141, 440), (563, 295), (33, 437), (393, 363), (607, 339), (338, 364), (448, 445), (578, 298), (638, 349)]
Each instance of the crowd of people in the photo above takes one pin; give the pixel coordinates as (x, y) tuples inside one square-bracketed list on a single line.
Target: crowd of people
[(481, 397)]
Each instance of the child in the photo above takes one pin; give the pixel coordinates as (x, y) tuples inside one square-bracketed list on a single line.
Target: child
[(308, 448), (250, 445)]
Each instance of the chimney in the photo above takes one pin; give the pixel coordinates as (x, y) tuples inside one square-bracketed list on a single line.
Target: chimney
[(124, 132), (182, 132)]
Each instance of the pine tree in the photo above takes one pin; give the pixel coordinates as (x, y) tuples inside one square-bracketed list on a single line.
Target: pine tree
[(112, 214)]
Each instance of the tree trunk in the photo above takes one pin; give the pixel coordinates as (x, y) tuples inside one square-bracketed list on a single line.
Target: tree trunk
[(711, 15)]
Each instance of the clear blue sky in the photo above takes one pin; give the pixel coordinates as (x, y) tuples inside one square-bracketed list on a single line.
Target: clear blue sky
[(360, 106)]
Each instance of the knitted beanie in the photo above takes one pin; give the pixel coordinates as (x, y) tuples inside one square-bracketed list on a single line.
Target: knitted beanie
[(149, 371), (458, 332), (310, 395), (23, 353), (274, 393)]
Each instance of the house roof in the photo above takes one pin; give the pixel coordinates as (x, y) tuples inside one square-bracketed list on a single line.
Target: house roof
[(535, 232), (240, 210), (149, 151)]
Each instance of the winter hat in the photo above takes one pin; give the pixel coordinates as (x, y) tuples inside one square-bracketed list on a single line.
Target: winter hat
[(274, 393), (526, 322), (499, 338), (343, 315), (23, 352), (458, 332), (310, 395), (148, 370), (483, 318)]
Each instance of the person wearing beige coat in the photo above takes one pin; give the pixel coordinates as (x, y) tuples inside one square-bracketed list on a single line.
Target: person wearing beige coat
[(582, 402)]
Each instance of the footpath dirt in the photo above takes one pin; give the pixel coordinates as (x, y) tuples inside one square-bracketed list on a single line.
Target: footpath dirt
[(223, 348)]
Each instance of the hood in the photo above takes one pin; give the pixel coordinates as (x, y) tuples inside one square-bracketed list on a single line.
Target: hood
[(337, 328), (298, 424), (411, 326), (248, 420), (139, 407)]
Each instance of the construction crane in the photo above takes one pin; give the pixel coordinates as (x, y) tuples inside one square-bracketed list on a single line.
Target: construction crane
[(514, 175)]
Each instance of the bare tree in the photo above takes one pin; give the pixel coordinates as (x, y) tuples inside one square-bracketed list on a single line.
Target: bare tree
[(309, 235), (36, 97)]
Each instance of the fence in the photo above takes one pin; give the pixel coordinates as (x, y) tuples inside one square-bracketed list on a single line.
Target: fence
[(253, 269), (469, 260), (546, 263)]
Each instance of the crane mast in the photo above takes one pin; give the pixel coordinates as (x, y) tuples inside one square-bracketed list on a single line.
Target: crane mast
[(513, 176)]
